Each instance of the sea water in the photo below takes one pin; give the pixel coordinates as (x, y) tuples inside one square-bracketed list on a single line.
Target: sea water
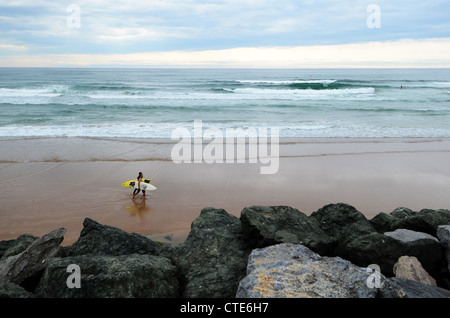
[(152, 103)]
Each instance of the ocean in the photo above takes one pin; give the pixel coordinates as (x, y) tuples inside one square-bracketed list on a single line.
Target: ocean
[(151, 103)]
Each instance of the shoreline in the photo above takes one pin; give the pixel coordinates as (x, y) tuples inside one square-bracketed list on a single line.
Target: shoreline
[(49, 182)]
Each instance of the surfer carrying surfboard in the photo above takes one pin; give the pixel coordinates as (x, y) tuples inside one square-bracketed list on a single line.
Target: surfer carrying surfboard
[(137, 190), (139, 184)]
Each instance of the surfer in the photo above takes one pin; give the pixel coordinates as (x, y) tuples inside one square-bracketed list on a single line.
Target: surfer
[(136, 191)]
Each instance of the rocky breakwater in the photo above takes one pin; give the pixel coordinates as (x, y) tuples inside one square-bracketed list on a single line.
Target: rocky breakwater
[(267, 252)]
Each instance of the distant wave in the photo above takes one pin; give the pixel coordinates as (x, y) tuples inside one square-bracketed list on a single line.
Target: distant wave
[(406, 111), (51, 91), (439, 84), (347, 93), (164, 130), (286, 82), (425, 84), (311, 84), (222, 90), (93, 87)]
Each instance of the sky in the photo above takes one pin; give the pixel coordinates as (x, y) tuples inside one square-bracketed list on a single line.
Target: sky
[(225, 33)]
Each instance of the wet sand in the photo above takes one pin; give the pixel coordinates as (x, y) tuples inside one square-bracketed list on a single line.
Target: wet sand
[(46, 183)]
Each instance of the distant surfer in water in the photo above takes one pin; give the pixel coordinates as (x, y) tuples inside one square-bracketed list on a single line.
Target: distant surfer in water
[(136, 191)]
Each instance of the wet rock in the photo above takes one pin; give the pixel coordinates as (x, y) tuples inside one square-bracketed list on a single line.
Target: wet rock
[(377, 248), (406, 288), (443, 234), (97, 239), (264, 226), (343, 223), (106, 276), (382, 222), (406, 236), (11, 290), (293, 271), (18, 268), (425, 220), (213, 258), (4, 246), (19, 245)]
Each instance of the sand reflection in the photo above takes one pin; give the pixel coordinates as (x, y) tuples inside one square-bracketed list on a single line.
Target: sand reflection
[(138, 207)]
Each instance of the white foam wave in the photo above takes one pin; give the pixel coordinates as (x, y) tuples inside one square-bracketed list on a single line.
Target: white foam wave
[(164, 130), (89, 130), (116, 96), (41, 95), (249, 93), (348, 93), (440, 84), (427, 85), (30, 92), (286, 82)]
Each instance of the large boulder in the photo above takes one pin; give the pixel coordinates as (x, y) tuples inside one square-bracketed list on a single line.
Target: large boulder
[(443, 233), (342, 222), (106, 276), (96, 238), (384, 250), (213, 258), (406, 236), (23, 266), (264, 226), (425, 220), (382, 222), (19, 245), (407, 288), (294, 271), (4, 246), (409, 267), (11, 290)]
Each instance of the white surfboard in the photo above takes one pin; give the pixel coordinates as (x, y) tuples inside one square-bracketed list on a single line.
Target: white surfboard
[(143, 185)]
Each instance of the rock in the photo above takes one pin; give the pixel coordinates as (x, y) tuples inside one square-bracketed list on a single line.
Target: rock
[(342, 222), (434, 218), (4, 245), (406, 288), (383, 250), (382, 222), (10, 290), (406, 236), (426, 220), (16, 269), (19, 245), (264, 226), (293, 259), (96, 238), (292, 270), (409, 267), (213, 258), (402, 213), (106, 276), (443, 233)]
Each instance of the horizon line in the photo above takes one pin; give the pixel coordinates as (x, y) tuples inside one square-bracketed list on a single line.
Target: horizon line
[(405, 53)]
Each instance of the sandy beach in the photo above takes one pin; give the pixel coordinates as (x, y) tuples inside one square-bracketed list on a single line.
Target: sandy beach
[(48, 183)]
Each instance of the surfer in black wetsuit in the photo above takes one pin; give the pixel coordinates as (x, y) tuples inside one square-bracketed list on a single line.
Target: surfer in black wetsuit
[(136, 191)]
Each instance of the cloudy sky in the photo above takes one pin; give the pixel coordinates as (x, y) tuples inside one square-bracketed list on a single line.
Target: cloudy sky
[(225, 33)]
